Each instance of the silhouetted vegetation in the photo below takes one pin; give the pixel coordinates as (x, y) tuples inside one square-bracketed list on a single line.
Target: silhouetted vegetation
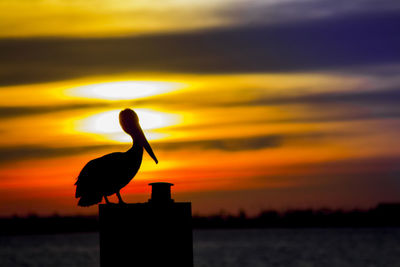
[(384, 215), (34, 224)]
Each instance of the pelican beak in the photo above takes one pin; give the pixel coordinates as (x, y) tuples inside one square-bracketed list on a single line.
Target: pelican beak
[(147, 146), (130, 124)]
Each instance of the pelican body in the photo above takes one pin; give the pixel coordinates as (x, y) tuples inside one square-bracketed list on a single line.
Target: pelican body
[(106, 175)]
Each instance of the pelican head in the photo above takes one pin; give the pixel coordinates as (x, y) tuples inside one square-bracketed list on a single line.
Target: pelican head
[(129, 121)]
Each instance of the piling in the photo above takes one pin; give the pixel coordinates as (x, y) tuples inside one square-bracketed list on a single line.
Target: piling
[(156, 233)]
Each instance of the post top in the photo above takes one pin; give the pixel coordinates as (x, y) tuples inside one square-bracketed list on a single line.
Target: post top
[(161, 193)]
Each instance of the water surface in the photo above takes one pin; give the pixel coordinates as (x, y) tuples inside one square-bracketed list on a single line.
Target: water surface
[(219, 248)]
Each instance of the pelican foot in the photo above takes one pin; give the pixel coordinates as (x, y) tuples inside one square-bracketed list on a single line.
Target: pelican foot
[(121, 202), (107, 201)]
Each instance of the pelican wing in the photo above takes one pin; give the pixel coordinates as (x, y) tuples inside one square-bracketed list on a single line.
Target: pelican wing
[(97, 175)]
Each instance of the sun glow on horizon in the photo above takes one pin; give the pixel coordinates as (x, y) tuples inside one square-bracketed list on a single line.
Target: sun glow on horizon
[(106, 124), (124, 90)]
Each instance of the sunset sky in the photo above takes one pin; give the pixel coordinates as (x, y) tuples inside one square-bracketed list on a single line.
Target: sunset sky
[(253, 105)]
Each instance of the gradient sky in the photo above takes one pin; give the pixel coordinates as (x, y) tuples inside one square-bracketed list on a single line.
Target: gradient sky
[(247, 104)]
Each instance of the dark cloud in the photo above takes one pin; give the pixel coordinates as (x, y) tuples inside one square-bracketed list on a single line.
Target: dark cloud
[(15, 111), (15, 153), (318, 115), (267, 12), (320, 44), (264, 97), (385, 97), (228, 144)]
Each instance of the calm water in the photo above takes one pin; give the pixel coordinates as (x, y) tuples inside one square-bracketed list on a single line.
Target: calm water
[(233, 248)]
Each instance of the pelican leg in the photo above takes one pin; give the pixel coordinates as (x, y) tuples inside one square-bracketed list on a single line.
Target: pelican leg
[(120, 198), (106, 199)]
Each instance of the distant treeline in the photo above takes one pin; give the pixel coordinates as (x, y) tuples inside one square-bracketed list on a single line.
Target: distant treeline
[(384, 215)]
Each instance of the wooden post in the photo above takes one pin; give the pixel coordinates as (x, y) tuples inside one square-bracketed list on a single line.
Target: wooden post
[(157, 233)]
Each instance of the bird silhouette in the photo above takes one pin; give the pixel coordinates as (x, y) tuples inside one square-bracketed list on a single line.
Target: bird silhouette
[(106, 175)]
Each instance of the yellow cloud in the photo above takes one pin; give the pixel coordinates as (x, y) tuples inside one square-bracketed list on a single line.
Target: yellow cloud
[(96, 18)]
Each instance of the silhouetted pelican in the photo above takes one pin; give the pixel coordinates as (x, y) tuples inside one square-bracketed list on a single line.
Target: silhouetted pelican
[(105, 176)]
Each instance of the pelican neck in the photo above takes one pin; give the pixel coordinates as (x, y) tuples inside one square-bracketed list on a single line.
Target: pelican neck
[(135, 143)]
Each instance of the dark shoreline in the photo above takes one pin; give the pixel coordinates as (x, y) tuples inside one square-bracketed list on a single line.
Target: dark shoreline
[(384, 215)]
